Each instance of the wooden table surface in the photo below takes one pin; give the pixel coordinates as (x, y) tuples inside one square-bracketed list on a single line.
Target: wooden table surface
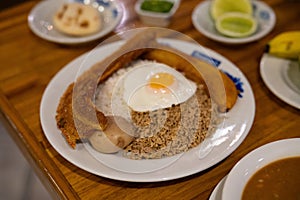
[(28, 63)]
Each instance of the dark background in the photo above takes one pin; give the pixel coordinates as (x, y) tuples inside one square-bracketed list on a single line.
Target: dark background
[(8, 3)]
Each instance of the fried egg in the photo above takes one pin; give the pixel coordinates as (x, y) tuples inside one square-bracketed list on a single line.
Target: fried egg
[(151, 86)]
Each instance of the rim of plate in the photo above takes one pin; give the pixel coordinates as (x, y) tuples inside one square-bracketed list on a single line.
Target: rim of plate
[(281, 89), (202, 8), (65, 39), (217, 192)]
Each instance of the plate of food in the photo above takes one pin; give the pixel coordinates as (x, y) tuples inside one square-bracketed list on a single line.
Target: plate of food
[(281, 76), (74, 22), (117, 128), (263, 16)]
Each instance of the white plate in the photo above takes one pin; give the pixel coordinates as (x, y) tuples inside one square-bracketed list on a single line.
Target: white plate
[(282, 77), (204, 23), (40, 21), (255, 160), (217, 192), (214, 148)]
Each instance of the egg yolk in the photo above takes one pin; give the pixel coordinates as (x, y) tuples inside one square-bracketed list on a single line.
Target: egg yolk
[(161, 81)]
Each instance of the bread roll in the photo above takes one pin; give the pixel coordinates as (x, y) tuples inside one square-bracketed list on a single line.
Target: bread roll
[(77, 19)]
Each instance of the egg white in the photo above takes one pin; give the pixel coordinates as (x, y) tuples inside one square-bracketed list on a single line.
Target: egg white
[(140, 98)]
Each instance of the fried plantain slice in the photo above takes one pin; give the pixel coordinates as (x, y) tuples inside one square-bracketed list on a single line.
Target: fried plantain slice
[(218, 85)]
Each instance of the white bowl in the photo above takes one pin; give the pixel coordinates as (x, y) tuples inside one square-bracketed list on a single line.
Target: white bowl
[(155, 18), (255, 160)]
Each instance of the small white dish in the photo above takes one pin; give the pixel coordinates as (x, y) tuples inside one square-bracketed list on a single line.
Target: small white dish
[(255, 160), (155, 18), (204, 23), (40, 21), (217, 192), (282, 77)]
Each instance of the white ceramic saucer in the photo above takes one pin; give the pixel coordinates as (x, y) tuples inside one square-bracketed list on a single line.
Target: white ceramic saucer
[(203, 22), (217, 192), (282, 77), (40, 21)]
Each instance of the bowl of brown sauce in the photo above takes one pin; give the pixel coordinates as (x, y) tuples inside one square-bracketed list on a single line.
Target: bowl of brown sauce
[(271, 171)]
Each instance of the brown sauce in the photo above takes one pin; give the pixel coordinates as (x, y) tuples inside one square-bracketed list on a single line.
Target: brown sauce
[(277, 180)]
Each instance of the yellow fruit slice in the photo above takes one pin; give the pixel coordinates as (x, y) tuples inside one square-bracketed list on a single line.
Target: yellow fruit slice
[(285, 45), (235, 24), (219, 7)]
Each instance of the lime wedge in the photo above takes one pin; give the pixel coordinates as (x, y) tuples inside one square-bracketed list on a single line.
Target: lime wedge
[(235, 24), (219, 7)]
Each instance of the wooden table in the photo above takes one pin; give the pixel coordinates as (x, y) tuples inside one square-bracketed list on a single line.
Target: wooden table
[(28, 63)]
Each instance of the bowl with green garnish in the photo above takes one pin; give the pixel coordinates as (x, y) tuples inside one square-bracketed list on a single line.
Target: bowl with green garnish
[(156, 12)]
